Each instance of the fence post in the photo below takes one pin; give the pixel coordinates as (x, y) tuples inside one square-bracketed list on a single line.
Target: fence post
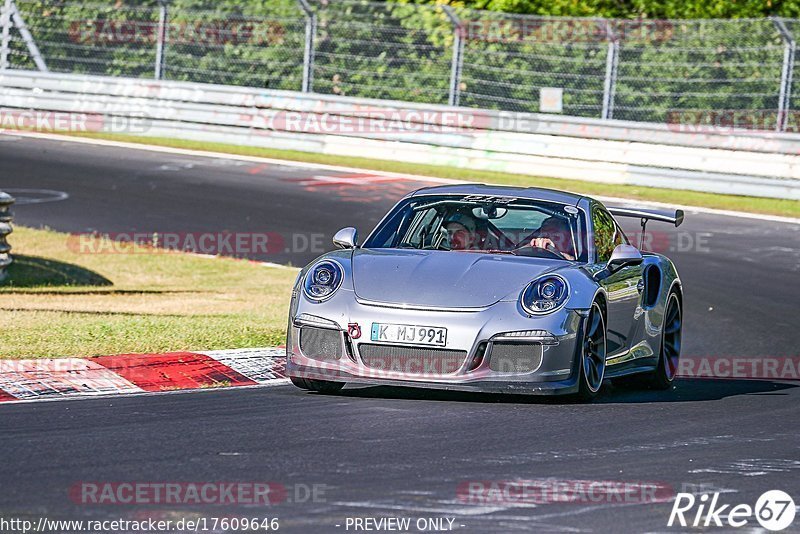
[(5, 22), (454, 95), (22, 28), (610, 83), (161, 38), (787, 72), (308, 53)]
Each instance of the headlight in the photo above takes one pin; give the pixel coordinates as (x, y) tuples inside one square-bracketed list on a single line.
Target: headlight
[(545, 295), (322, 280)]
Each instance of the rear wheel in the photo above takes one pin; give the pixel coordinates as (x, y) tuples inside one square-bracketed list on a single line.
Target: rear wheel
[(593, 356), (320, 386), (669, 358)]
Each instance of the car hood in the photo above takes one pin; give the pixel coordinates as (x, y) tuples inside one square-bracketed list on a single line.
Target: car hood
[(443, 279)]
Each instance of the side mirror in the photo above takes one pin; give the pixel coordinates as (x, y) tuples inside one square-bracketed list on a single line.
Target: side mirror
[(623, 256), (346, 238)]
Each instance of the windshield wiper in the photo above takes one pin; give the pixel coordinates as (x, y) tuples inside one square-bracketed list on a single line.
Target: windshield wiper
[(485, 251)]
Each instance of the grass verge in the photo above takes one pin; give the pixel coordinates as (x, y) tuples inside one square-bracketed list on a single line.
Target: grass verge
[(786, 208), (58, 302)]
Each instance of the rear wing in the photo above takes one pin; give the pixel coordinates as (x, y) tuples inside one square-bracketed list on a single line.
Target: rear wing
[(668, 216)]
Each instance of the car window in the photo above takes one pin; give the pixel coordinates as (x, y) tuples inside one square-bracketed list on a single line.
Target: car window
[(419, 232), (605, 233), (619, 237), (520, 222), (486, 224)]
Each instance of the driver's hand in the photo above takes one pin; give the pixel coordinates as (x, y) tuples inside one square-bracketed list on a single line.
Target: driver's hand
[(543, 242)]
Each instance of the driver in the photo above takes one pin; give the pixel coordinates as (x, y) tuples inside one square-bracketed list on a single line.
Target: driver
[(461, 231), (554, 233)]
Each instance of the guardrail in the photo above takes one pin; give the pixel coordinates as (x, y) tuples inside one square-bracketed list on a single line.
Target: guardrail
[(645, 154), (6, 217)]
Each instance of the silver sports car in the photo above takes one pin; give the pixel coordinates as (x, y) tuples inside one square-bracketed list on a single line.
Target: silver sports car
[(489, 288)]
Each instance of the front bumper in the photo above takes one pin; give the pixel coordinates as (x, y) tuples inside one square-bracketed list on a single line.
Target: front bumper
[(563, 387), (473, 333)]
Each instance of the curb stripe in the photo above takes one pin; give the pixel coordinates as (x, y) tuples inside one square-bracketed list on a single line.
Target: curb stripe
[(259, 365), (175, 370), (24, 380), (31, 379), (5, 397)]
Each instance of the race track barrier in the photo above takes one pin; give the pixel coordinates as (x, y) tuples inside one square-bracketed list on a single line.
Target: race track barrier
[(6, 216), (764, 164)]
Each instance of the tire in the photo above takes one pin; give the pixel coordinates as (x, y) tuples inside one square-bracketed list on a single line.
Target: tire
[(593, 356), (300, 382), (670, 352), (320, 386)]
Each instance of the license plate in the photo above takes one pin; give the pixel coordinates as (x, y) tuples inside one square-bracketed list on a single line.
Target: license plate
[(409, 334)]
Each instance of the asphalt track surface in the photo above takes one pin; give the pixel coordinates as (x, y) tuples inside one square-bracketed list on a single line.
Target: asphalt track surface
[(393, 452)]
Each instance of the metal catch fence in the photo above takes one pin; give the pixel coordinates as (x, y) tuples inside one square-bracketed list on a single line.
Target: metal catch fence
[(702, 72)]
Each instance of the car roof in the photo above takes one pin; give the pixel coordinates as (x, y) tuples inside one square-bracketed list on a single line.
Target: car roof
[(532, 193)]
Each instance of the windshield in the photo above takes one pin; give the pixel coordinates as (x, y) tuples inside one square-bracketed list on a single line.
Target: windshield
[(485, 224)]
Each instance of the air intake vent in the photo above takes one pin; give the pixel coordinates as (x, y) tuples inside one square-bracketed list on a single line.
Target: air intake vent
[(321, 343), (411, 360), (515, 357), (652, 286)]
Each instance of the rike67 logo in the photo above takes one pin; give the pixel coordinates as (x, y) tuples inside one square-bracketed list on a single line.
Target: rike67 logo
[(774, 511)]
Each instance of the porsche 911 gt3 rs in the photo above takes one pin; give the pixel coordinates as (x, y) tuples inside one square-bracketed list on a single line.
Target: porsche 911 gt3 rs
[(491, 289)]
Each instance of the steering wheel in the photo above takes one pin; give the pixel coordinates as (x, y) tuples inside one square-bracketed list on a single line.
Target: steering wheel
[(550, 249)]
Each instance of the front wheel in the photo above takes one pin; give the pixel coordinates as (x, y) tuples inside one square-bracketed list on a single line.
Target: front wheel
[(320, 386), (593, 355)]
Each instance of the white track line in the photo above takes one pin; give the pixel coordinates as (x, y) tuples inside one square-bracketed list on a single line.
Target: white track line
[(338, 168), (112, 396)]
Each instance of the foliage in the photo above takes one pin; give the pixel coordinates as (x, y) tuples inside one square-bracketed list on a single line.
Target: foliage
[(651, 9), (402, 50)]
